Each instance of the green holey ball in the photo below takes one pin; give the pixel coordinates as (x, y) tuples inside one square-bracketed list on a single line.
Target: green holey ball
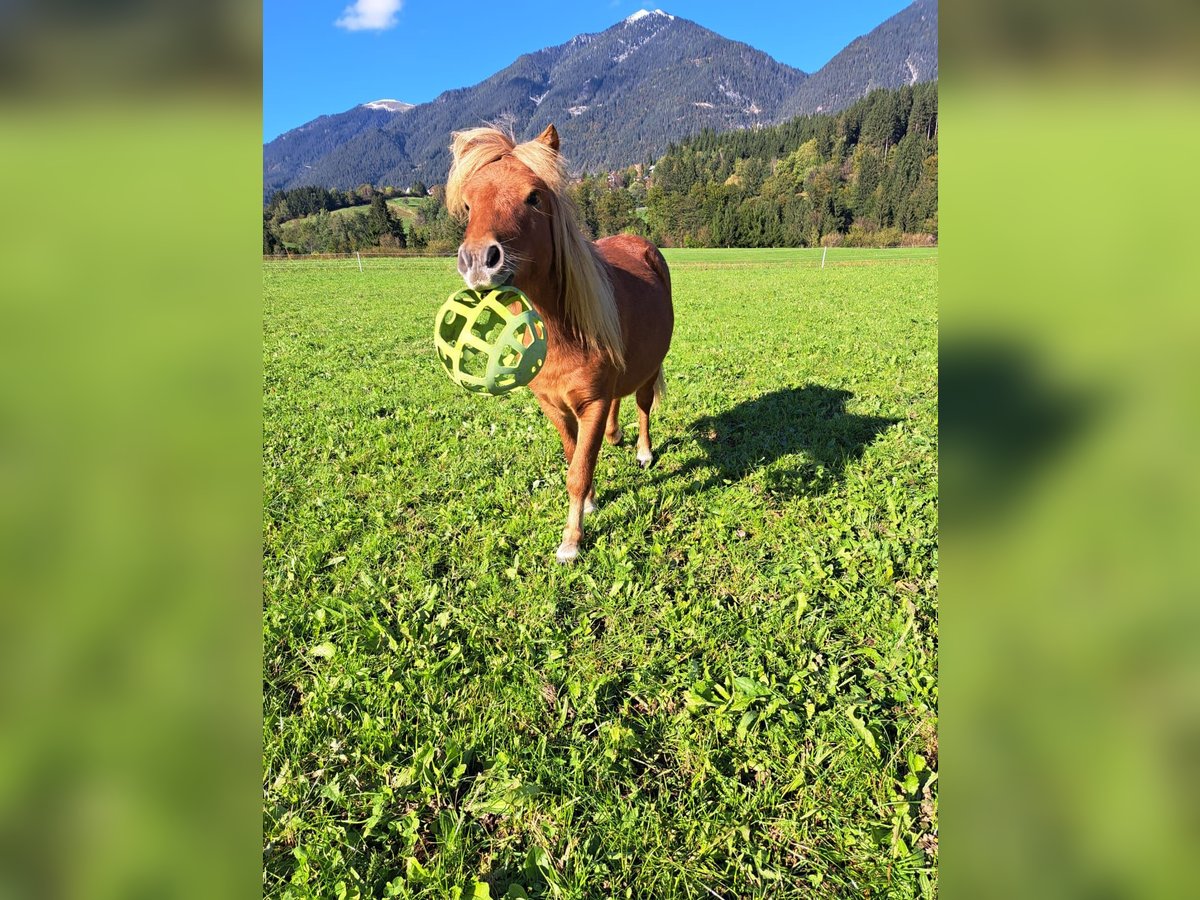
[(484, 346)]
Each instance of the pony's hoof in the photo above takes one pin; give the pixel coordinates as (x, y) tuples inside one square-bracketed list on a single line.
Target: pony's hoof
[(589, 507), (567, 552), (615, 437), (645, 458)]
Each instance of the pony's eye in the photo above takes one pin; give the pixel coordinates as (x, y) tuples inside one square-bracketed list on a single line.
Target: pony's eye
[(532, 199), (467, 207)]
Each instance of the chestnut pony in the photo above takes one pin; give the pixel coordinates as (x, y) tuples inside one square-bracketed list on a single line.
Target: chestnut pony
[(607, 305)]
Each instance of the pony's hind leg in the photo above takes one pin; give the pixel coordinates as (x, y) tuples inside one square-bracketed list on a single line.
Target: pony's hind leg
[(646, 395), (614, 434)]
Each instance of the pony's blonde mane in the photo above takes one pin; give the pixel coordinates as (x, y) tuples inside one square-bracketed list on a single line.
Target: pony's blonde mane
[(587, 295)]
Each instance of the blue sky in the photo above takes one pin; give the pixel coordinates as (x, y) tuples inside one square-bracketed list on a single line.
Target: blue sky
[(325, 57)]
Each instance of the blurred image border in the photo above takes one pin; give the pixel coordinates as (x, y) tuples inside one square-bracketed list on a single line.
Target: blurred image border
[(131, 467)]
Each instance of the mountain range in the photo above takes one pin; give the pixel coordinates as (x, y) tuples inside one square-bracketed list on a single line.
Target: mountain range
[(617, 97)]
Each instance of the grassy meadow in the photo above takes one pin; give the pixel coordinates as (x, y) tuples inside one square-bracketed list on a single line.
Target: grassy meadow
[(732, 693)]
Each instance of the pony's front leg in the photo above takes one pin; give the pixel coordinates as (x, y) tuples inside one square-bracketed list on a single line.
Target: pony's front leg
[(592, 419)]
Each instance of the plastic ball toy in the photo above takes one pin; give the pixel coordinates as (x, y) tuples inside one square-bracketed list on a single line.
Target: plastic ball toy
[(484, 346)]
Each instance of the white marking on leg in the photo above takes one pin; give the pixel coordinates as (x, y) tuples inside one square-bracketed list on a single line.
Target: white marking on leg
[(644, 457), (572, 534)]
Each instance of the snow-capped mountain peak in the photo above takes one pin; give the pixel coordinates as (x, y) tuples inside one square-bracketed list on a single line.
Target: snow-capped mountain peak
[(389, 105), (642, 13)]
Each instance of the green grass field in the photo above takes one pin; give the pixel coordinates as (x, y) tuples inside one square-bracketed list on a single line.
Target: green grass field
[(731, 694)]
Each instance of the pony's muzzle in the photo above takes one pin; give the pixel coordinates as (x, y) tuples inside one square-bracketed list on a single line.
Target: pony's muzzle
[(481, 265)]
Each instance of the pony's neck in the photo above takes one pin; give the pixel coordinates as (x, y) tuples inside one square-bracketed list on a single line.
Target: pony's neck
[(546, 291), (587, 316)]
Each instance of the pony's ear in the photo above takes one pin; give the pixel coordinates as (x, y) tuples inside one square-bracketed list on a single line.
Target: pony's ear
[(549, 137)]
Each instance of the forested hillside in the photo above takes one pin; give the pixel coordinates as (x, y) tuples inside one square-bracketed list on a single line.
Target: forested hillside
[(866, 176)]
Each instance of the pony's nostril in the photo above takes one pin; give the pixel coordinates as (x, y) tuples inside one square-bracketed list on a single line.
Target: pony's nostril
[(463, 264), (493, 256)]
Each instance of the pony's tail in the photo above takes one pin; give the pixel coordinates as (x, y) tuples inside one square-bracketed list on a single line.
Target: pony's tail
[(660, 390)]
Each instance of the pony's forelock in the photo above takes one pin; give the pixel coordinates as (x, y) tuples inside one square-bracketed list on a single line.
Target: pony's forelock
[(587, 293), (471, 151)]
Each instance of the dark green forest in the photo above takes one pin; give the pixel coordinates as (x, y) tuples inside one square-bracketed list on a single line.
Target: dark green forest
[(865, 176)]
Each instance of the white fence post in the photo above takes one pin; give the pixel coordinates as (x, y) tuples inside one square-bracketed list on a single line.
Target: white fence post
[(359, 258), (823, 252)]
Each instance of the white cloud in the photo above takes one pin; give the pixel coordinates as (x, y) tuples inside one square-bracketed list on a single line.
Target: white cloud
[(369, 15)]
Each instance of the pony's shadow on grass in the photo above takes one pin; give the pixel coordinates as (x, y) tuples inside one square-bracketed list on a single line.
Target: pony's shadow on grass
[(809, 425), (1008, 419)]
